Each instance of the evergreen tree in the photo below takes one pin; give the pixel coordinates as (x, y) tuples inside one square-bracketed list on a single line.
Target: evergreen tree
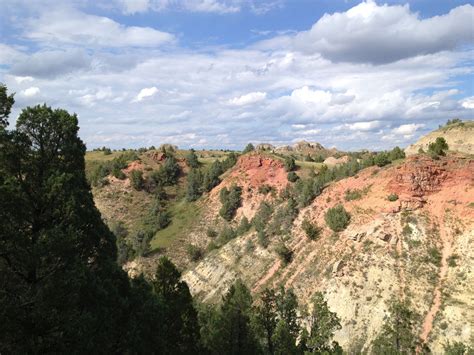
[(284, 340), (180, 322), (192, 159), (323, 324), (194, 188), (248, 148), (398, 335), (6, 103), (56, 252)]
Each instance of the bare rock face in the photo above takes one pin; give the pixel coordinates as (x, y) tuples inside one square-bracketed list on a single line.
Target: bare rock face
[(331, 161), (264, 147), (157, 156), (304, 146)]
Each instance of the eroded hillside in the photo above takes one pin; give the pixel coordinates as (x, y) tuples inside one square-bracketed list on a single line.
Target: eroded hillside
[(417, 246)]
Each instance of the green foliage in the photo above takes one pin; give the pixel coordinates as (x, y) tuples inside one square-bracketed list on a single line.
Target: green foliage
[(395, 154), (195, 253), (323, 324), (453, 121), (292, 176), (262, 217), (194, 187), (248, 148), (107, 151), (434, 256), (290, 164), (228, 329), (382, 159), (398, 335), (351, 195), (244, 226), (311, 230), (179, 319), (458, 348), (231, 200), (100, 171), (211, 233), (124, 251), (337, 218), (265, 189), (438, 147), (170, 171), (392, 197), (282, 221), (136, 179), (262, 238), (192, 159), (6, 103), (285, 254)]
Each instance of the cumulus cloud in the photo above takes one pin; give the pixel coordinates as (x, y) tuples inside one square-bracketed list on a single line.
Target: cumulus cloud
[(468, 102), (31, 91), (364, 126), (77, 28), (250, 98), (146, 92), (407, 129), (50, 64), (379, 34)]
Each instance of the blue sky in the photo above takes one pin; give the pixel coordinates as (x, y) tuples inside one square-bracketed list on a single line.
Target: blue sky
[(221, 73)]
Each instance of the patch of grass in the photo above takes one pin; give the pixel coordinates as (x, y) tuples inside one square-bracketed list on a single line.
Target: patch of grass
[(184, 214), (452, 260), (471, 205)]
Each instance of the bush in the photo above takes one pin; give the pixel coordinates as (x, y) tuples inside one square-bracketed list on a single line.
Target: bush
[(285, 254), (381, 159), (396, 153), (211, 233), (351, 195), (248, 148), (438, 147), (136, 179), (434, 256), (231, 200), (192, 159), (107, 151), (244, 226), (194, 187), (262, 238), (265, 189), (195, 253), (290, 164), (262, 217), (311, 230), (337, 218), (292, 176), (392, 197)]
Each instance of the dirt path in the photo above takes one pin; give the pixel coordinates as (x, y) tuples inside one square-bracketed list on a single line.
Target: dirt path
[(443, 270), (275, 267)]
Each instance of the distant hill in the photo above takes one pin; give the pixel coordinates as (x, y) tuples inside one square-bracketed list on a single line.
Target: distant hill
[(459, 136)]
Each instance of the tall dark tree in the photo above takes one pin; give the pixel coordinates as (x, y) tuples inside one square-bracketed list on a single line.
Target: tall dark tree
[(194, 188), (55, 250), (180, 322), (6, 103), (192, 159)]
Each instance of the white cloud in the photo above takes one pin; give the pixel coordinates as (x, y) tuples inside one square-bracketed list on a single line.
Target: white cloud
[(146, 92), (23, 79), (250, 98), (74, 27), (468, 102), (407, 129), (364, 126), (381, 34), (31, 91)]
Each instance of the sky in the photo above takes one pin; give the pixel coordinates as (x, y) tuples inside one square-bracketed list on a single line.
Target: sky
[(222, 73)]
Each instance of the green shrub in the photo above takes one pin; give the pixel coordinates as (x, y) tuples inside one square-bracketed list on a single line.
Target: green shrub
[(285, 254), (192, 159), (211, 233), (392, 197), (244, 226), (231, 200), (337, 218), (265, 189), (292, 176), (381, 159), (118, 173), (311, 230), (195, 253), (438, 147), (262, 238), (290, 164), (434, 256), (351, 195), (136, 179), (249, 148)]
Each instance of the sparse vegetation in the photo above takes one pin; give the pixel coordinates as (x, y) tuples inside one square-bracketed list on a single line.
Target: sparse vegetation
[(284, 253), (438, 148), (337, 218), (392, 197), (195, 253), (311, 230), (136, 179), (292, 176), (231, 200)]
